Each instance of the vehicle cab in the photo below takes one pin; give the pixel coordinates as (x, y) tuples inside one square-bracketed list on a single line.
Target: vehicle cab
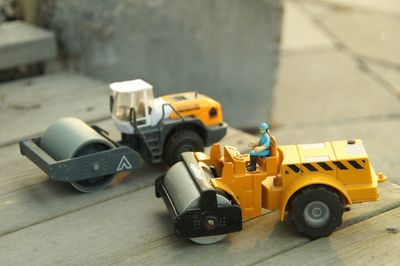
[(130, 100)]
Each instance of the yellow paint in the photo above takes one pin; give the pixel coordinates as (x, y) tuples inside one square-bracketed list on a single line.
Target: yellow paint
[(197, 105), (218, 184), (271, 194), (290, 168), (291, 154), (344, 151), (202, 157)]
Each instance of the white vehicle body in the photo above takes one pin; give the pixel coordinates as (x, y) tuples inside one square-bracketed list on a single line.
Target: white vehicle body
[(136, 95)]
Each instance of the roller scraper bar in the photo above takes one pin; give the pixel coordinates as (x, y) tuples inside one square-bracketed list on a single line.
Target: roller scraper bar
[(98, 164)]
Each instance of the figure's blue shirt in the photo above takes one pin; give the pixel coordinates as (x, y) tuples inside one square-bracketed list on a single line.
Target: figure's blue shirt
[(265, 140)]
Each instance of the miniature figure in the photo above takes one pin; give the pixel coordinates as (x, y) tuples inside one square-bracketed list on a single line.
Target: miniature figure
[(261, 148)]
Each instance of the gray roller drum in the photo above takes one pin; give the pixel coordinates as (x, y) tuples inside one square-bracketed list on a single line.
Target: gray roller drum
[(71, 137), (185, 195)]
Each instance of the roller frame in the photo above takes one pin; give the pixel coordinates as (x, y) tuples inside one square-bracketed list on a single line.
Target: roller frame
[(189, 223), (80, 168)]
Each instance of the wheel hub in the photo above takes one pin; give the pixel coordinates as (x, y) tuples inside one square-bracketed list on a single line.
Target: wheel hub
[(316, 214)]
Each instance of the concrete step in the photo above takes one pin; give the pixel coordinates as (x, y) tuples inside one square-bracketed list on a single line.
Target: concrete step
[(23, 44)]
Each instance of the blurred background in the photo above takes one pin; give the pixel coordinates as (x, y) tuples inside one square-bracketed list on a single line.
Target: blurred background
[(316, 70)]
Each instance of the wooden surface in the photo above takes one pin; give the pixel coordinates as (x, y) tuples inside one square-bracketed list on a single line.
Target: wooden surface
[(49, 223)]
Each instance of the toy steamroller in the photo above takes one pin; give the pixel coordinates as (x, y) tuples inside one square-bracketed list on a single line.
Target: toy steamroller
[(209, 196), (154, 129)]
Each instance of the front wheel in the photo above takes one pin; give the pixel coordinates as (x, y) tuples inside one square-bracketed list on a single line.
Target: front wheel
[(316, 211), (181, 141)]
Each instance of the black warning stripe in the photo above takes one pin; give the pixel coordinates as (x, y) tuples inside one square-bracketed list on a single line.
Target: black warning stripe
[(351, 163), (355, 164), (294, 167), (325, 166), (340, 165), (310, 167)]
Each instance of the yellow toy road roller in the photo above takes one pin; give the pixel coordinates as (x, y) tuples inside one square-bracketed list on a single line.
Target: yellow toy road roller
[(154, 129), (209, 196)]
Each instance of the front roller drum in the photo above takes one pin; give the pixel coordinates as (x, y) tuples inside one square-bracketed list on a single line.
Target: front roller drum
[(213, 225), (70, 138), (203, 216)]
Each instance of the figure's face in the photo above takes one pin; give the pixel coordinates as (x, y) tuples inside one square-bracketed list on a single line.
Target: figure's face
[(262, 131)]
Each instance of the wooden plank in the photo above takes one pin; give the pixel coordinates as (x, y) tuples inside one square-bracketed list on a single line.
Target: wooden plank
[(47, 200), (29, 106), (375, 241), (25, 189), (22, 43), (135, 229), (90, 235)]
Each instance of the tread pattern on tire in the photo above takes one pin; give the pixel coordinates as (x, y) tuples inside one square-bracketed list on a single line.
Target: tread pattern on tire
[(170, 155), (314, 193)]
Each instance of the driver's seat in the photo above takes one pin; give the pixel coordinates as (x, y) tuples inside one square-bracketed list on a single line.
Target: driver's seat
[(274, 148)]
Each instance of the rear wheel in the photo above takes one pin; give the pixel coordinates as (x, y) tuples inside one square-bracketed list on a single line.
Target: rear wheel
[(180, 141), (316, 211)]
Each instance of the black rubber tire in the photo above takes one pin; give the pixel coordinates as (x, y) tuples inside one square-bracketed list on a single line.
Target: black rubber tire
[(180, 141), (312, 202)]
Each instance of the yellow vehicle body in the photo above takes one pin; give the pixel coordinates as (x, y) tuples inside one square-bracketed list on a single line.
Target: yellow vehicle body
[(341, 166), (197, 105)]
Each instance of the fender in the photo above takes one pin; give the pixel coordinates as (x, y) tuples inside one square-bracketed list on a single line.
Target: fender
[(222, 186), (308, 180)]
